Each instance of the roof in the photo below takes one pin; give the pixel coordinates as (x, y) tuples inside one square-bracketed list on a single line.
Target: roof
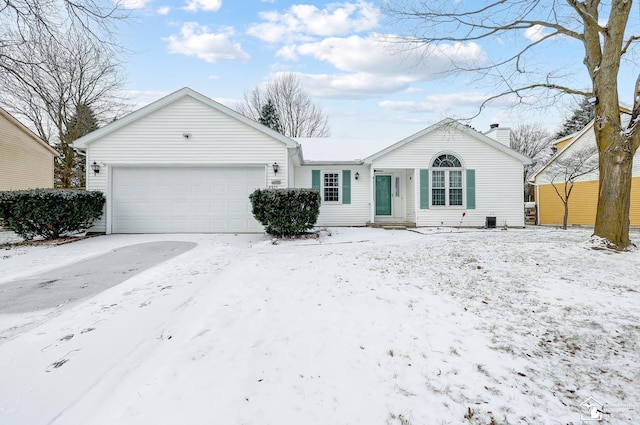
[(332, 150), (28, 132), (460, 127), (84, 141)]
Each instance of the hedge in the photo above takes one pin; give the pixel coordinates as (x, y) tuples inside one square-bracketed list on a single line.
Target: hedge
[(49, 213), (286, 212)]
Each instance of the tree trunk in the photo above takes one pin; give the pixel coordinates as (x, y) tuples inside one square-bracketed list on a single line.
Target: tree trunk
[(614, 201)]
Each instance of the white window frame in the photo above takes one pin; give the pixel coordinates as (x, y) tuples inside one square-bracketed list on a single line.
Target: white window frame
[(338, 185), (447, 183)]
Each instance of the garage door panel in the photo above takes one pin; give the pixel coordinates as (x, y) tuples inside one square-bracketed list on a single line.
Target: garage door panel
[(180, 200)]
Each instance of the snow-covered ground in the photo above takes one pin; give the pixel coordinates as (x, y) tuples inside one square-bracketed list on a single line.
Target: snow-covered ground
[(363, 326)]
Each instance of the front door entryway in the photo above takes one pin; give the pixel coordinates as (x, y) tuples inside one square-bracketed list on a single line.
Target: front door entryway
[(383, 195)]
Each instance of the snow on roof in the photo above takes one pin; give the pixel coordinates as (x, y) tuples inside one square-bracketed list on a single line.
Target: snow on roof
[(340, 149)]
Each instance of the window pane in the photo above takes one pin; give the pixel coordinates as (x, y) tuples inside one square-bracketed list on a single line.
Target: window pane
[(331, 190), (438, 179), (455, 196), (455, 179), (438, 196)]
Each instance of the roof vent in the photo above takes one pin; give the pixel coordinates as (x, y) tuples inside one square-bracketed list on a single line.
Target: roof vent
[(492, 126)]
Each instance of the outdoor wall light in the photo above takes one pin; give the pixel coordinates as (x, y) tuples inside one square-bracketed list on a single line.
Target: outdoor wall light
[(357, 175), (186, 135), (276, 167), (95, 167)]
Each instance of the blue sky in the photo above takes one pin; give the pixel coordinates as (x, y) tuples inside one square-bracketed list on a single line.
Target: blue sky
[(368, 87)]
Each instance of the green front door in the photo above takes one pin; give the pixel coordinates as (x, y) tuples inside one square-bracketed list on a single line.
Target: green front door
[(383, 195)]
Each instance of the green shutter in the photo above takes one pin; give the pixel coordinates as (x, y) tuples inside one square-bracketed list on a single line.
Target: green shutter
[(346, 186), (424, 189), (471, 189), (315, 180)]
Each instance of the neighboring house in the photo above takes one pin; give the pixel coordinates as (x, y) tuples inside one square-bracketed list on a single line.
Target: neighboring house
[(583, 201), (26, 161), (186, 163)]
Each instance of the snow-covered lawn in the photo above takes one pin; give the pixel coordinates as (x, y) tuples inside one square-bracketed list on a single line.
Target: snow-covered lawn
[(363, 326)]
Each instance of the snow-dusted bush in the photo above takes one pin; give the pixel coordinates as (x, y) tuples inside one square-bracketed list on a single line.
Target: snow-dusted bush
[(286, 212), (49, 213)]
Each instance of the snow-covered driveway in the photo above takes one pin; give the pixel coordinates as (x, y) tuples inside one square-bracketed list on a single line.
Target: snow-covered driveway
[(86, 278), (364, 326)]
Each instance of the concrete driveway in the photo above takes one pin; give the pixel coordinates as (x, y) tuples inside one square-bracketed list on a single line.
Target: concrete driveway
[(87, 278)]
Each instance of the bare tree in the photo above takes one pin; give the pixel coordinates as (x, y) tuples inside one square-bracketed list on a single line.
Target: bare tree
[(55, 81), (298, 115), (599, 27), (26, 23), (533, 141), (567, 169)]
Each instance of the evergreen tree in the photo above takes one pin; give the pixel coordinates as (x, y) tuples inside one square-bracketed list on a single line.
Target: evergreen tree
[(580, 117), (70, 167), (269, 116)]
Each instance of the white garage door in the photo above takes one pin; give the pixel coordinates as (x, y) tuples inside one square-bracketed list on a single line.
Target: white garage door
[(184, 200)]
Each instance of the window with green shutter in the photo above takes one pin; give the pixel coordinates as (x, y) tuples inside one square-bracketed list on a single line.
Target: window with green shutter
[(444, 184), (334, 186)]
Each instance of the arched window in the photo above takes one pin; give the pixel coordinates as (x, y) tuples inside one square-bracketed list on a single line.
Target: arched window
[(448, 161), (446, 181)]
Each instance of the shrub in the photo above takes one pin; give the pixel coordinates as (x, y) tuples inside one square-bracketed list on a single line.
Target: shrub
[(286, 212), (49, 213)]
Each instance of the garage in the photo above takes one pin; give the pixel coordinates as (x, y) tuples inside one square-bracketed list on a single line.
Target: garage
[(172, 199), (184, 164)]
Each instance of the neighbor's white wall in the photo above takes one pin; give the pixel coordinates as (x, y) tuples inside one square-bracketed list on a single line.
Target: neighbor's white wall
[(357, 213), (499, 185), (157, 139), (586, 141)]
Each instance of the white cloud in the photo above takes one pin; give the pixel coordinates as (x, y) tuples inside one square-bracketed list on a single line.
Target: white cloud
[(197, 40), (373, 55), (535, 33), (302, 22), (164, 10), (206, 5), (133, 4), (371, 66), (356, 85), (447, 102)]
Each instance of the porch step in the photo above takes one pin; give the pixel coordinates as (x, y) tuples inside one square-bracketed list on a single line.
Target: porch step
[(392, 226)]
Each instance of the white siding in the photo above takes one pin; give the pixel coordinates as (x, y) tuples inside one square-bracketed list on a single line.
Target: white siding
[(499, 185), (157, 139), (358, 212)]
